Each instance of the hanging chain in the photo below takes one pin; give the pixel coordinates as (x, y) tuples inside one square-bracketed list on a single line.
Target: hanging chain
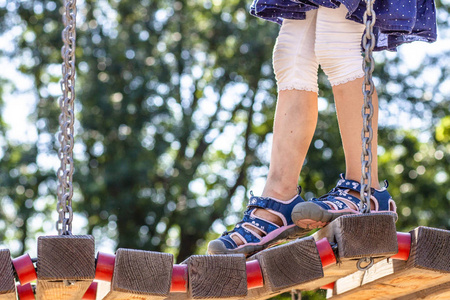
[(368, 42), (66, 121)]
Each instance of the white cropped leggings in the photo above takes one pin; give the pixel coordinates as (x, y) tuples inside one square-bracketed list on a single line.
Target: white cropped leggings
[(325, 37)]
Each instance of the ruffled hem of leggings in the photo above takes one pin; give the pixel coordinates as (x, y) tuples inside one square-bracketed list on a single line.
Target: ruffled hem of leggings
[(351, 78), (297, 86)]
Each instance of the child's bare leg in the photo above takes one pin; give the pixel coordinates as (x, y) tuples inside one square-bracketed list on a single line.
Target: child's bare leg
[(349, 100), (294, 125)]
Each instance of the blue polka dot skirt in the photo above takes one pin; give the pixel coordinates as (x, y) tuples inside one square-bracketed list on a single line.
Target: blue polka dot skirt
[(397, 21)]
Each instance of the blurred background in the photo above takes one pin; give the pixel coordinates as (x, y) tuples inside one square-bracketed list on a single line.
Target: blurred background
[(175, 103)]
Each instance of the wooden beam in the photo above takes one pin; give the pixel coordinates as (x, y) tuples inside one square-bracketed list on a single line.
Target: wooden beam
[(217, 276), (362, 235), (66, 266), (287, 266), (7, 285), (428, 266), (141, 275), (438, 292)]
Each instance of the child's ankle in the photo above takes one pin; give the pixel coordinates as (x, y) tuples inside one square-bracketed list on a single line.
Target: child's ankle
[(282, 194)]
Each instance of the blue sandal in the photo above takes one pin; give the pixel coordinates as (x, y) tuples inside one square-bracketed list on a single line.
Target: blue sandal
[(318, 212), (256, 233)]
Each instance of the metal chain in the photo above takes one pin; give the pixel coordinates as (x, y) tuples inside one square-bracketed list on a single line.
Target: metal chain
[(368, 43), (66, 121)]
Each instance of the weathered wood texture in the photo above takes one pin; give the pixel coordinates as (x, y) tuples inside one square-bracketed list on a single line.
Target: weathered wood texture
[(362, 235), (217, 276), (7, 285), (439, 292), (356, 236), (141, 275), (427, 267), (63, 258), (286, 266)]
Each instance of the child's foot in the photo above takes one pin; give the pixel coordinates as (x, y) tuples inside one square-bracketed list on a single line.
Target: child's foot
[(267, 221), (341, 200)]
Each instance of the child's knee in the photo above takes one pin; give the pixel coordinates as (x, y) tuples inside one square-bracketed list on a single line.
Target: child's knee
[(340, 65), (338, 45), (294, 61)]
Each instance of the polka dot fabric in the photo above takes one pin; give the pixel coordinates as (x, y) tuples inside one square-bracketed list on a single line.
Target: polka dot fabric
[(398, 21)]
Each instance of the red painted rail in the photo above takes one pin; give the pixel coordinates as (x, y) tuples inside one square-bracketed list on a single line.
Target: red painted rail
[(24, 269), (326, 253)]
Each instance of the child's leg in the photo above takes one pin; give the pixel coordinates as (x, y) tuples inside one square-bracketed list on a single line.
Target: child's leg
[(267, 219), (339, 53), (338, 48), (295, 66), (349, 100), (294, 125), (295, 119)]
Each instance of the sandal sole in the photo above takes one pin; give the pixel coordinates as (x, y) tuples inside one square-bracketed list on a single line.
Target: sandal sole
[(292, 233), (308, 215)]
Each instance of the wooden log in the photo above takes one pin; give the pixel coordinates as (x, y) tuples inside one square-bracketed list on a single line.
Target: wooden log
[(217, 276), (362, 235), (66, 266), (7, 285), (141, 275), (427, 268), (287, 266)]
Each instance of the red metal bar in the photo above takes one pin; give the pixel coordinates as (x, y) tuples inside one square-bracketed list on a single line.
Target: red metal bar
[(404, 246), (91, 293), (179, 279), (25, 269), (328, 286), (25, 292), (254, 274), (105, 266), (326, 252)]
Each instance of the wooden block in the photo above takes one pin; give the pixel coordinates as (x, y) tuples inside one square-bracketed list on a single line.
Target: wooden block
[(427, 268), (66, 266), (286, 266), (290, 264), (141, 275), (217, 276), (7, 285), (430, 249), (362, 235)]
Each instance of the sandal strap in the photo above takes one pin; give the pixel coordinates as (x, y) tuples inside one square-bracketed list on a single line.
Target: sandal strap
[(349, 184), (228, 241), (259, 223), (283, 208)]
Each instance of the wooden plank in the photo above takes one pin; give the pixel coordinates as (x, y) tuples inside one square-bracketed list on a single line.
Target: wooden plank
[(439, 292), (7, 285), (141, 275), (217, 276), (66, 266), (356, 236), (427, 267)]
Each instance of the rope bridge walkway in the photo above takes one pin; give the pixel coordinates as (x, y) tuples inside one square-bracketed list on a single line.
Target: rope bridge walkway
[(414, 265)]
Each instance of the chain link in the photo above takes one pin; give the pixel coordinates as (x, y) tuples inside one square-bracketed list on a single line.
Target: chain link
[(368, 43), (66, 121)]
